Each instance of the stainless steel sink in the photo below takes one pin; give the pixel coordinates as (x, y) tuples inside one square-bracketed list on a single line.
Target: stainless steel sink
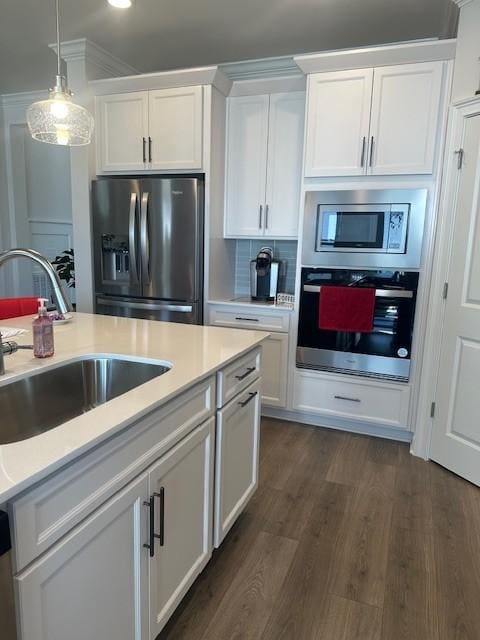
[(47, 399)]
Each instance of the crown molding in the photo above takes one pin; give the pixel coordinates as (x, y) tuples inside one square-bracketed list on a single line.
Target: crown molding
[(384, 55), (83, 49), (22, 100), (462, 3), (212, 75), (280, 66)]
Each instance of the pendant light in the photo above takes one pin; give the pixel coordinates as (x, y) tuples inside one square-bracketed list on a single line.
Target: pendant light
[(59, 120)]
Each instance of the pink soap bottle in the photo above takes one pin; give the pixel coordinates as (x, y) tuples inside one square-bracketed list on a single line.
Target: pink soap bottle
[(42, 332)]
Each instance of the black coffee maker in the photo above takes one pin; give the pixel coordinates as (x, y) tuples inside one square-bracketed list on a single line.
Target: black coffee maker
[(266, 275)]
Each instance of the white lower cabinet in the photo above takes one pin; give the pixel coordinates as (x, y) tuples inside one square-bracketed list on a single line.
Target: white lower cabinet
[(275, 370), (274, 348), (236, 467), (181, 487), (93, 584), (135, 556)]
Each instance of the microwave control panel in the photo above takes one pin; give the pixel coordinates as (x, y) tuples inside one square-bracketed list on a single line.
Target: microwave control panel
[(397, 231)]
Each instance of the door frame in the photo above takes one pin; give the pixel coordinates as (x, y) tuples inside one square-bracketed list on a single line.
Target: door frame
[(423, 427)]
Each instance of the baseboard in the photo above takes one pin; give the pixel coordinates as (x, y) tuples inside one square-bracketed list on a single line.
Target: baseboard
[(378, 431)]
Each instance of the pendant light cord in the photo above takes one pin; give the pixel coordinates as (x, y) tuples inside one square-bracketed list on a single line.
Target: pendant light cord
[(59, 64)]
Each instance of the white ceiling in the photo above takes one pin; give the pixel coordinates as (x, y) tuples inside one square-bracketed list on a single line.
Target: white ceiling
[(165, 34)]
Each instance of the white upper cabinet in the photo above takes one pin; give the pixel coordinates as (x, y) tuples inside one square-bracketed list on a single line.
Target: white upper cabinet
[(264, 164), (160, 130), (122, 131), (338, 117), (404, 121), (247, 140), (176, 121), (284, 164), (380, 121)]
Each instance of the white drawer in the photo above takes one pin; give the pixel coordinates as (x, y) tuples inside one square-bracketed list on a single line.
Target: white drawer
[(45, 513), (373, 401), (249, 318), (237, 376)]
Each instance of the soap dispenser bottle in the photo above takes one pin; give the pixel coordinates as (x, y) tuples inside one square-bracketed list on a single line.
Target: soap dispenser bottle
[(42, 332)]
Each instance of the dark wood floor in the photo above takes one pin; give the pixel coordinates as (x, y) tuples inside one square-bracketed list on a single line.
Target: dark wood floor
[(347, 538)]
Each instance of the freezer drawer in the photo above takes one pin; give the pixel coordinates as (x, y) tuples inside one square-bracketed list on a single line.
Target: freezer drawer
[(148, 309)]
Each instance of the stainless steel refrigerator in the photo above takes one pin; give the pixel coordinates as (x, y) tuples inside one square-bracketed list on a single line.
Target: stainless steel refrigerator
[(148, 247)]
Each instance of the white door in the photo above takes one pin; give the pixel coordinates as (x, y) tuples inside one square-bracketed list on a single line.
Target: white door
[(94, 583), (247, 138), (456, 428), (274, 370), (236, 459), (122, 131), (176, 127), (404, 121), (284, 164), (181, 484), (338, 116)]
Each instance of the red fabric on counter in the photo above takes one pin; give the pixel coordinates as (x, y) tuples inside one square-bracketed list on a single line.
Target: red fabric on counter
[(15, 307), (346, 309)]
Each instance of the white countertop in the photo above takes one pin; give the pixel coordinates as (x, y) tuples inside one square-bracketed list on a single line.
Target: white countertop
[(195, 352)]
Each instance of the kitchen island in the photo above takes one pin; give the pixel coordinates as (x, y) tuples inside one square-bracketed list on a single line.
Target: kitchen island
[(118, 509)]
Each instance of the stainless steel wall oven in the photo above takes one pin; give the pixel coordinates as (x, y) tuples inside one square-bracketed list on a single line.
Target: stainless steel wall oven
[(384, 352)]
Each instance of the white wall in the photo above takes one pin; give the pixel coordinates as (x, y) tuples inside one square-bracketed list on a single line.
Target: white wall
[(35, 201), (466, 78)]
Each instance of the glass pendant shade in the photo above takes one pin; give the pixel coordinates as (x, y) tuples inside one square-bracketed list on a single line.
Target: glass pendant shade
[(58, 120)]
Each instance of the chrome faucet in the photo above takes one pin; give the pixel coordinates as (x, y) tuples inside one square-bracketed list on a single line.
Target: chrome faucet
[(6, 348), (61, 299)]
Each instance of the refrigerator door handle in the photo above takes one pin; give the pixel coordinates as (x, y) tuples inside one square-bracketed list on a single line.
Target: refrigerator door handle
[(132, 245), (144, 239), (149, 306)]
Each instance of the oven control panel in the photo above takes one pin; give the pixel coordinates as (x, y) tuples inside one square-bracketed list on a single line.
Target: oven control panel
[(397, 231)]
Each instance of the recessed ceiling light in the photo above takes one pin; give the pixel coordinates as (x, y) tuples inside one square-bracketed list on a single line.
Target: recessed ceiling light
[(120, 4)]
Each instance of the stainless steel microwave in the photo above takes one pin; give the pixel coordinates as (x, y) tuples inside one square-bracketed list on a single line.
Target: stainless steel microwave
[(374, 228)]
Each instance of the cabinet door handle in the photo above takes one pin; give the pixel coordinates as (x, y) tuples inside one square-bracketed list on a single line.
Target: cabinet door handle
[(247, 373), (371, 152), (364, 143), (144, 149), (161, 534), (149, 149), (260, 216), (347, 398), (251, 396), (266, 216), (150, 503), (247, 319)]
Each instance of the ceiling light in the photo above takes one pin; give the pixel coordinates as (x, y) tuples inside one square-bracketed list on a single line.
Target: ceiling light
[(120, 4), (59, 120)]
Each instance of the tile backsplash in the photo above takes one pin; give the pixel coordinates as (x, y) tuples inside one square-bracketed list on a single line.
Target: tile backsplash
[(246, 250)]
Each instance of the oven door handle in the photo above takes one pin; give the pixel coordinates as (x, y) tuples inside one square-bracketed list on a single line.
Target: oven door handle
[(379, 293)]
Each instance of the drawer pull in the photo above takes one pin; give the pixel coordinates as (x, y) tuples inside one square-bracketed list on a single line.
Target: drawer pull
[(347, 398), (252, 395), (247, 319), (151, 526), (161, 536), (247, 373)]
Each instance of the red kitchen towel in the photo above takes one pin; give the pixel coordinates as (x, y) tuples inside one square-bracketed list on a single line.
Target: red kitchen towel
[(346, 309), (15, 307)]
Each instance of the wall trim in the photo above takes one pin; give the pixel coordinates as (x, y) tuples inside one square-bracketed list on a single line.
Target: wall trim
[(462, 3), (389, 433), (84, 49), (390, 54), (22, 100)]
